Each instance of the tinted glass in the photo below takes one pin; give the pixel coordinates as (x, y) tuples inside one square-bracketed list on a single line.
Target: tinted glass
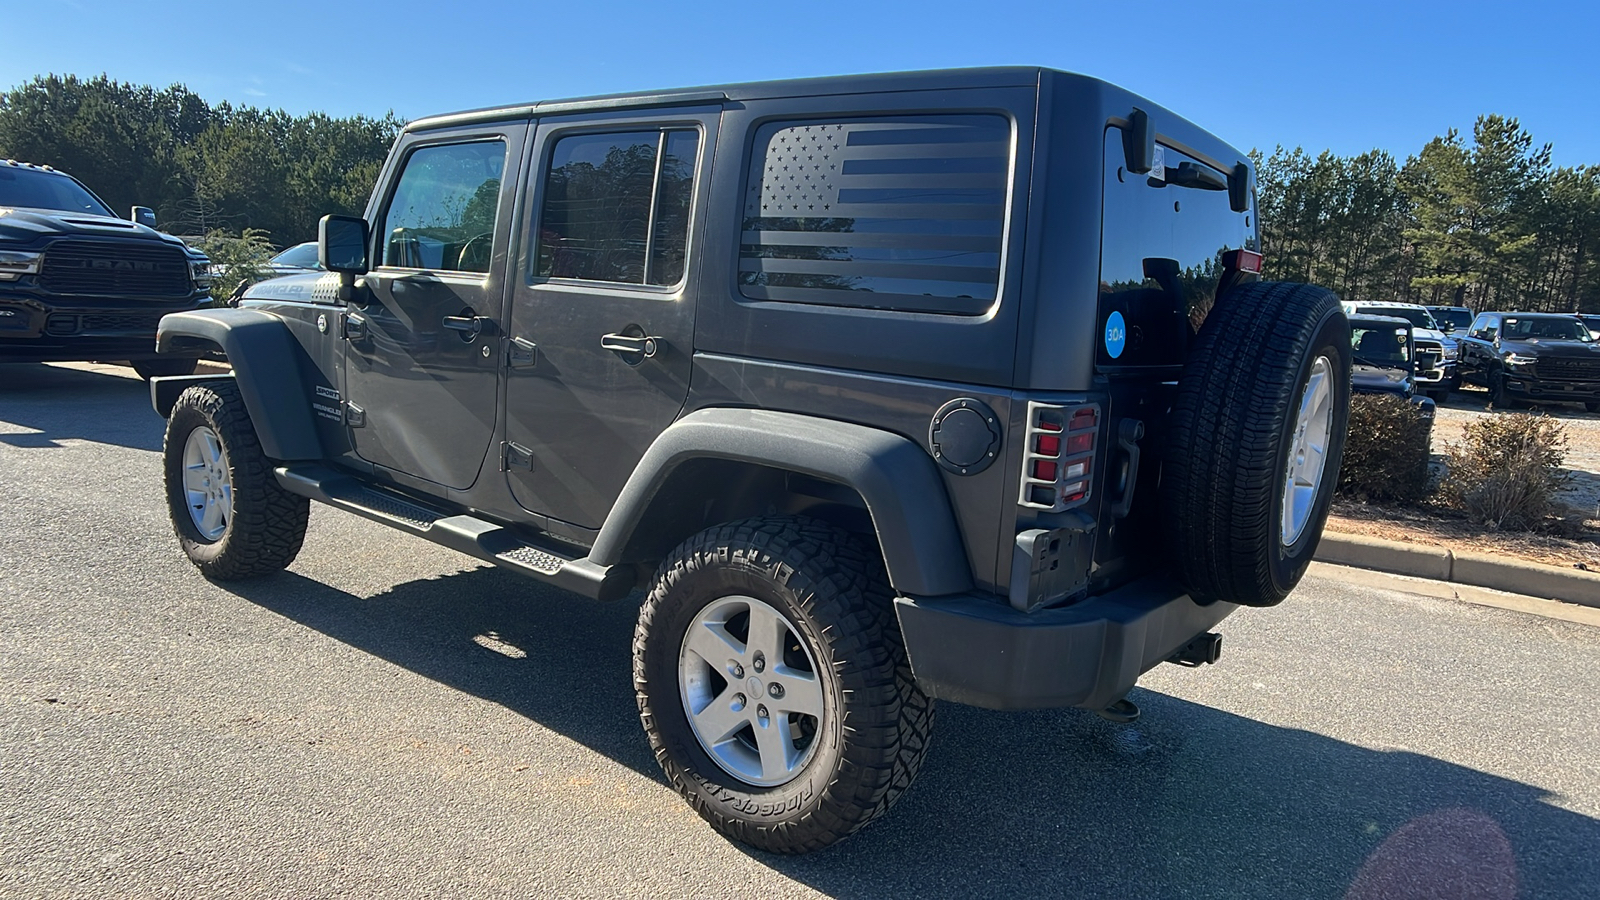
[(1559, 328), (1379, 345), (900, 212), (1419, 318), (33, 189), (1160, 256), (616, 207), (444, 208), (303, 256), (1458, 318)]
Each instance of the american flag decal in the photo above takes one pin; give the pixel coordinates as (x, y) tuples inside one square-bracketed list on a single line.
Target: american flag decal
[(904, 213)]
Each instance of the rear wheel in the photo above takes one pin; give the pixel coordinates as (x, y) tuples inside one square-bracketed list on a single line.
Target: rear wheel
[(157, 368), (773, 684), (232, 519), (1257, 433)]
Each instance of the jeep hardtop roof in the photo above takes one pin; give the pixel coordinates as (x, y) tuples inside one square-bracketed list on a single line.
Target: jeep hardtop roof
[(1174, 128)]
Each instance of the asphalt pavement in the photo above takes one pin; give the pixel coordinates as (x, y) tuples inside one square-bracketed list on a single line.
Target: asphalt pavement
[(389, 718)]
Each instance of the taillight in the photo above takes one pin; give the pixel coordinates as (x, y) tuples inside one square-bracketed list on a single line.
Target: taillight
[(1058, 455)]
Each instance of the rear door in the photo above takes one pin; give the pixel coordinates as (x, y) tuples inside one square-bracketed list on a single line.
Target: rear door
[(422, 350), (602, 312)]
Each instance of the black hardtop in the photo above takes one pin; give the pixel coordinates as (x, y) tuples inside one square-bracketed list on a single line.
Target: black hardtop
[(1169, 123)]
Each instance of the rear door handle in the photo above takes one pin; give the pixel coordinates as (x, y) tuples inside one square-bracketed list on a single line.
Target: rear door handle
[(642, 345)]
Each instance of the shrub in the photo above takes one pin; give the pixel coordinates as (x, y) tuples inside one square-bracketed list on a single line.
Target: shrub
[(1386, 450), (235, 259), (1506, 470)]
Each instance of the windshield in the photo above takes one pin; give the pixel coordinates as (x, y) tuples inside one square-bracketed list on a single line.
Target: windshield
[(1551, 327), (1416, 315), (34, 189), (302, 256), (1383, 346), (1460, 319)]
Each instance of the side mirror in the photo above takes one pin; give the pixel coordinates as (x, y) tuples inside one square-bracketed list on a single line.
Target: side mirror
[(342, 244), (143, 215), (1447, 327)]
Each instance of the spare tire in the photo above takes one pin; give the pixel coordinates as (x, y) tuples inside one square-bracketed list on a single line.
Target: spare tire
[(1255, 438)]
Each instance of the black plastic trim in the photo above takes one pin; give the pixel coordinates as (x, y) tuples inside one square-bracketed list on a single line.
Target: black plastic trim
[(903, 490), (977, 650), (268, 362)]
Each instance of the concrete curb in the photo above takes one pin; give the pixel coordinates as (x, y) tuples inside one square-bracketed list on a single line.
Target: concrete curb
[(1476, 569)]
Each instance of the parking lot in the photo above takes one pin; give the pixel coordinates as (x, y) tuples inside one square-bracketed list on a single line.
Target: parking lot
[(389, 718)]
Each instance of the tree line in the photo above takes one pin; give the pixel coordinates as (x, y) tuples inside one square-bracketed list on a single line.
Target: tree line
[(1488, 223), (205, 169)]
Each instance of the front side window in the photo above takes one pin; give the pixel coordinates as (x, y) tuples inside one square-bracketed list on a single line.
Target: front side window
[(444, 208), (616, 207), (903, 213)]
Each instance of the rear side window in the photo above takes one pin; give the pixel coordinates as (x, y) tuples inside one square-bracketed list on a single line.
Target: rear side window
[(444, 207), (903, 213), (616, 207)]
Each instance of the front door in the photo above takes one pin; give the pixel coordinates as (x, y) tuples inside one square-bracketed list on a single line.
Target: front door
[(422, 340), (602, 312)]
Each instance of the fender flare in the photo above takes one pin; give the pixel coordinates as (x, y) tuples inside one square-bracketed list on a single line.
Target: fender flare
[(267, 364), (903, 490)]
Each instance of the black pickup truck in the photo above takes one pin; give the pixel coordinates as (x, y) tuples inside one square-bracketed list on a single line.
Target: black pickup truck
[(78, 283), (1523, 357)]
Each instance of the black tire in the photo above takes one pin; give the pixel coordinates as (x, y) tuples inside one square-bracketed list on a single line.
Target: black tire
[(1499, 397), (157, 368), (1232, 429), (833, 592), (267, 524), (1592, 405), (1439, 396)]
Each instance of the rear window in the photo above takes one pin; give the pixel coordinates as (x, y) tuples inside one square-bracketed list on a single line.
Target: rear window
[(903, 213), (1160, 257)]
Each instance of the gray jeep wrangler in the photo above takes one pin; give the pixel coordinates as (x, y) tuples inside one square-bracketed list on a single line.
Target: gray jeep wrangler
[(956, 385)]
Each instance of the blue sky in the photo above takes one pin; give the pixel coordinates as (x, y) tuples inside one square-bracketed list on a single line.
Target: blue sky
[(1346, 76)]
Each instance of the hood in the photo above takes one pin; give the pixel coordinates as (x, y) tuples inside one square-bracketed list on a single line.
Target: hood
[(21, 225), (1429, 334), (1551, 347), (1375, 380), (302, 288)]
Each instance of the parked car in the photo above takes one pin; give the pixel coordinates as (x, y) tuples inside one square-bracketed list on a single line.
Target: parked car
[(1533, 356), (807, 400), (300, 259), (1386, 360), (1451, 319), (78, 283), (1592, 323), (1436, 382)]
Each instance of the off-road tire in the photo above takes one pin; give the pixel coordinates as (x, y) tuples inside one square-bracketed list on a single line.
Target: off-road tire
[(876, 728), (156, 368), (267, 525), (1231, 432)]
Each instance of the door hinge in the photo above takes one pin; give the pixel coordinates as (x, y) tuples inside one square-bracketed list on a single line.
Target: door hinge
[(522, 354), (516, 456), (354, 416)]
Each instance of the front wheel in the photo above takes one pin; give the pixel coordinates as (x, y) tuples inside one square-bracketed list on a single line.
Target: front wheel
[(232, 518), (773, 684)]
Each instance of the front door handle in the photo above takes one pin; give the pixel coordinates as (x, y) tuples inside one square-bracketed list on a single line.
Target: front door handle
[(635, 344), (470, 325)]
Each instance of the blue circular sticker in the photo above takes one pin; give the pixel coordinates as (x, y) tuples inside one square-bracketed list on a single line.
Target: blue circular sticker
[(1116, 335)]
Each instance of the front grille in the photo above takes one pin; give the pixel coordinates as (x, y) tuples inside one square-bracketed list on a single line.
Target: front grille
[(1429, 355), (1570, 369), (102, 323), (104, 268)]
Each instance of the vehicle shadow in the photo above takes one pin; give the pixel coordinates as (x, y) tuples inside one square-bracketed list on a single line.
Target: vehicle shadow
[(61, 403), (1191, 801)]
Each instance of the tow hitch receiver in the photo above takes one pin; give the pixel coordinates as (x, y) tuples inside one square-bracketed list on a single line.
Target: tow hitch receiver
[(1202, 650)]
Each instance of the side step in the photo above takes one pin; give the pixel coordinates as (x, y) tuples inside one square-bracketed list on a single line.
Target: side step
[(471, 535)]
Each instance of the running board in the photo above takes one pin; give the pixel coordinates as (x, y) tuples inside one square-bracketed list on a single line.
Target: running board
[(471, 535)]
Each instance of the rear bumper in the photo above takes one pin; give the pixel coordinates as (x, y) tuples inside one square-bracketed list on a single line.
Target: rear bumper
[(978, 650)]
